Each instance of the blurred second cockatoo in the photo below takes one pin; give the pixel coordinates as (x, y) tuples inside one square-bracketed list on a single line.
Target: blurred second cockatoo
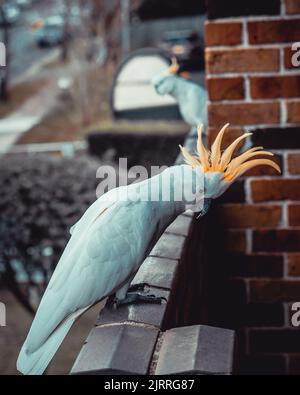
[(191, 97), (111, 240)]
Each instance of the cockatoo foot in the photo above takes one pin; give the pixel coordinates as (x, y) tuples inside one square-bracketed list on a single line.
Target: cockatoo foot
[(142, 287), (134, 297)]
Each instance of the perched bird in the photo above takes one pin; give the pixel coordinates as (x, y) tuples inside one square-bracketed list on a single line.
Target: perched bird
[(190, 97), (111, 240)]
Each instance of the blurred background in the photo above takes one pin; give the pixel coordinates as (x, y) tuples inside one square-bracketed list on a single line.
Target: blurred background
[(76, 93), (70, 100)]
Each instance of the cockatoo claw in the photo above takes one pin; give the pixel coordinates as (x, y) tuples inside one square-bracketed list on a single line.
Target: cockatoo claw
[(134, 297), (112, 303), (142, 287)]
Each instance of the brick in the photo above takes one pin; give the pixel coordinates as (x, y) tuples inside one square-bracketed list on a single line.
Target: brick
[(294, 365), (235, 241), (262, 365), (293, 111), (232, 133), (197, 349), (243, 113), (274, 341), (169, 246), (240, 343), (294, 265), (241, 60), (236, 293), (294, 214), (277, 137), (276, 189), (259, 315), (279, 31), (250, 215), (274, 291), (279, 240), (254, 315), (292, 6), (227, 310), (235, 194), (270, 314), (275, 86), (267, 170), (117, 349), (294, 163), (231, 8), (225, 88), (157, 272), (255, 265), (220, 33)]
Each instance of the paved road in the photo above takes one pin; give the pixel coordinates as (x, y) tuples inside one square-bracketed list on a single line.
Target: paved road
[(24, 51)]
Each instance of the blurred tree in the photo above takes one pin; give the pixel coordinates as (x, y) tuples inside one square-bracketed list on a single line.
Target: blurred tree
[(40, 198), (66, 30), (94, 51), (106, 23), (4, 78)]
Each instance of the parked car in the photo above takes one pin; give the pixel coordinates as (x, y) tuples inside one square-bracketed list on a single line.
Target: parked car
[(9, 13), (23, 3), (51, 33)]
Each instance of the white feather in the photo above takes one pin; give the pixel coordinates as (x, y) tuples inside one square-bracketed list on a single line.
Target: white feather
[(106, 248)]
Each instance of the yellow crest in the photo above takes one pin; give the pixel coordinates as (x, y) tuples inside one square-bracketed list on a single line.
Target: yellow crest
[(215, 160)]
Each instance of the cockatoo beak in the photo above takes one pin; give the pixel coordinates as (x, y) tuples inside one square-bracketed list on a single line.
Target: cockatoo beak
[(220, 170), (173, 68)]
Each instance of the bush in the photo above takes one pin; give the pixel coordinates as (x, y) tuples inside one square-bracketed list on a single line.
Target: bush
[(40, 198)]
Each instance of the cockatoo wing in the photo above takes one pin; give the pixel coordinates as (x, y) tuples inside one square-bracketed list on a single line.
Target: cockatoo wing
[(192, 103), (97, 207), (105, 250)]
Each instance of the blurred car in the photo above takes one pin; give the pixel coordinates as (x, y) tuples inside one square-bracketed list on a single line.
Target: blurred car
[(51, 33), (75, 12), (9, 13), (23, 3), (186, 46), (52, 29)]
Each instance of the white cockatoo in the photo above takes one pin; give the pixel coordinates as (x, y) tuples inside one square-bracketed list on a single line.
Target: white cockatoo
[(111, 240), (191, 97)]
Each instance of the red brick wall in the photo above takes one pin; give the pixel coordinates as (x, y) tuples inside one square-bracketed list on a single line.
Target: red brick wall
[(253, 85)]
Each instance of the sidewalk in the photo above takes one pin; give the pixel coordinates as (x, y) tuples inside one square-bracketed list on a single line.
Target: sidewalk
[(27, 116), (36, 107), (32, 113)]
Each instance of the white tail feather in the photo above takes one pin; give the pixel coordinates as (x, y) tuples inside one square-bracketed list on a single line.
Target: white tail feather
[(36, 363)]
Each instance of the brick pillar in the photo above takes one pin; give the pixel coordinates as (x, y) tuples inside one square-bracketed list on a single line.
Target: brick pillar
[(253, 84)]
